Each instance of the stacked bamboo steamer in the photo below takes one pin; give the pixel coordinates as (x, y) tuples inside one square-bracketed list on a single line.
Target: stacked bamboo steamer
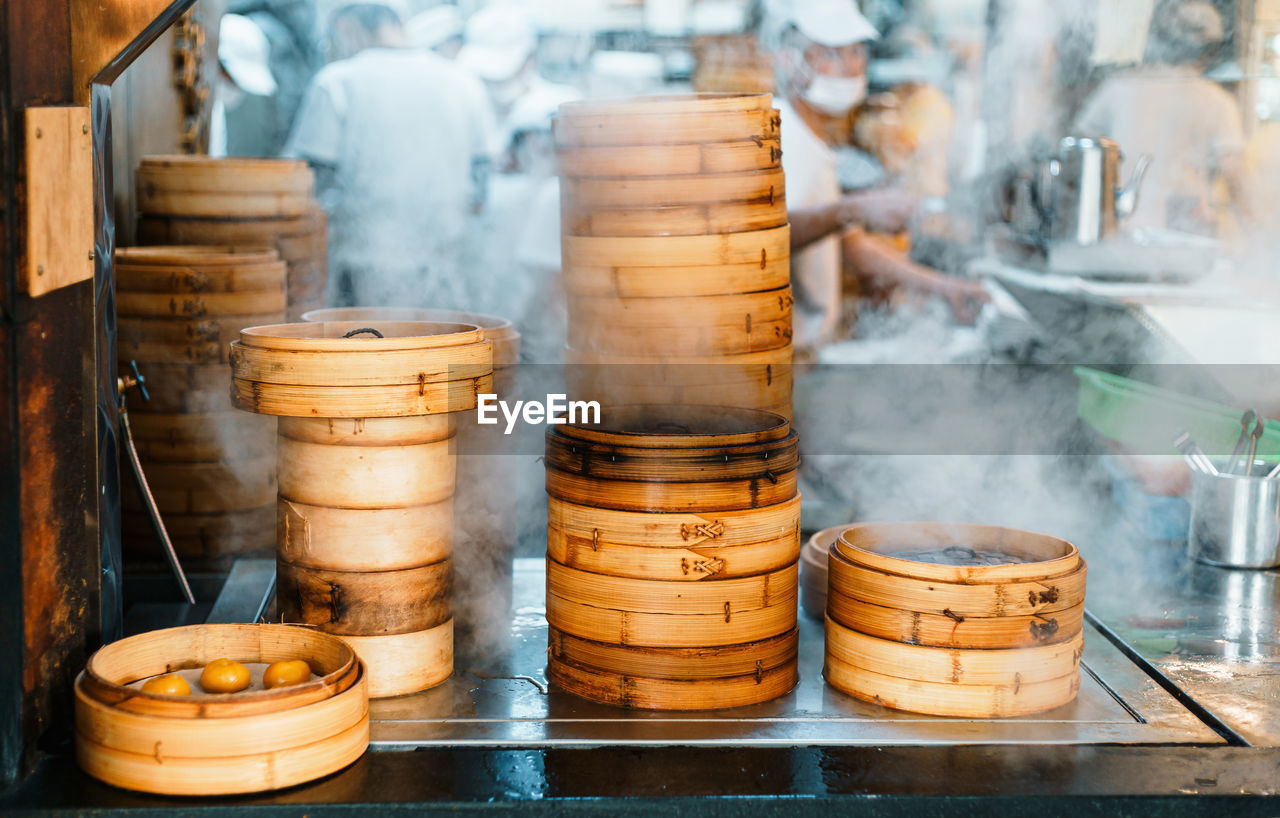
[(731, 62), (206, 200), (366, 480), (673, 536), (484, 519), (211, 469), (224, 743), (676, 250), (955, 620)]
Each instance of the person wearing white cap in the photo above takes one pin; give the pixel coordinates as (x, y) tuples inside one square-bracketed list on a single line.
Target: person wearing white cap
[(400, 139), (821, 59), (500, 47), (243, 73), (439, 29), (1189, 125)]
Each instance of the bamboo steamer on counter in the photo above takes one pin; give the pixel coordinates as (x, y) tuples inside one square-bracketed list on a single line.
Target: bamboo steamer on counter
[(211, 470), (499, 331), (366, 480), (203, 200), (225, 743), (954, 620), (672, 544), (675, 246)]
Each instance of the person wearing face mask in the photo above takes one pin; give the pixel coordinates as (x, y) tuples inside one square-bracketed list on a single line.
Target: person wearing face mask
[(821, 61), (400, 139)]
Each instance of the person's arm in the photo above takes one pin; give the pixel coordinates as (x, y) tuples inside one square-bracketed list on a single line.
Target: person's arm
[(870, 259), (881, 210)]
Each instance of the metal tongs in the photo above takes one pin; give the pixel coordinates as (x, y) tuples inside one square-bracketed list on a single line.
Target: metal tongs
[(1251, 430), (123, 384), (1192, 453)]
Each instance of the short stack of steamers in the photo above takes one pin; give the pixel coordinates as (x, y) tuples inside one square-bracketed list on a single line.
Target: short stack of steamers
[(210, 468), (366, 480), (955, 620), (676, 250), (239, 201), (671, 557)]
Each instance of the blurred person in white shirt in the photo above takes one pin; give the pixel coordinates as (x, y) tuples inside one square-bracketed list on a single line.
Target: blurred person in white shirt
[(401, 143), (238, 125)]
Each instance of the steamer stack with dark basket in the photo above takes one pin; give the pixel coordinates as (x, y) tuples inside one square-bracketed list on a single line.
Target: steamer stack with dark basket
[(676, 251), (239, 201), (366, 480), (210, 468), (673, 539), (971, 621)]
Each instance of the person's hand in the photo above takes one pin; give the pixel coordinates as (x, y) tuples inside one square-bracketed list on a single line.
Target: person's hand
[(965, 298), (883, 210)]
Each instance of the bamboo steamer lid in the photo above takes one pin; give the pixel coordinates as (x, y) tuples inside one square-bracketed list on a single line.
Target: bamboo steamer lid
[(684, 427), (365, 603), (665, 104), (227, 743), (648, 126), (406, 662), (673, 220), (361, 539), (875, 545), (634, 691), (974, 701), (751, 247), (340, 365), (702, 188), (954, 599), (500, 331), (1015, 666), (216, 257), (608, 462), (671, 160), (940, 630)]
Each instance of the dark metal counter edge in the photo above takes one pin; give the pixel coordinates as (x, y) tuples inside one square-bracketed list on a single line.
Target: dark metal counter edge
[(936, 780)]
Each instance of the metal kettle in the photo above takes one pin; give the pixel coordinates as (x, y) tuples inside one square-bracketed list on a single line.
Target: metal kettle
[(1078, 195)]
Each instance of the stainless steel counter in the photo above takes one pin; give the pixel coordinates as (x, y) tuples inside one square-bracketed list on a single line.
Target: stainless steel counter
[(505, 701)]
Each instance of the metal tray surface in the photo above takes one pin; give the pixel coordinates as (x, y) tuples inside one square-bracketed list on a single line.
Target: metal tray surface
[(503, 700)]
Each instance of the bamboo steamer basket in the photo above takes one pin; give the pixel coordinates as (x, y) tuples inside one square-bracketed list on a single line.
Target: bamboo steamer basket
[(396, 431), (709, 495), (974, 701), (365, 603), (220, 187), (342, 391), (676, 663), (752, 247), (197, 269), (768, 371), (675, 312), (887, 657), (742, 156), (978, 633), (631, 691), (672, 630), (719, 598), (202, 437), (675, 282), (599, 386), (183, 340), (363, 539), (702, 188), (407, 662), (200, 305), (691, 339), (604, 461), (685, 427), (673, 220), (687, 547), (365, 477), (223, 744), (649, 126), (953, 600), (296, 238)]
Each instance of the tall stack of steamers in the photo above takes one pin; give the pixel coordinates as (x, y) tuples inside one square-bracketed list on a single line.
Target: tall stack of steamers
[(366, 478), (676, 250)]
